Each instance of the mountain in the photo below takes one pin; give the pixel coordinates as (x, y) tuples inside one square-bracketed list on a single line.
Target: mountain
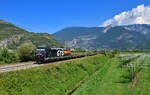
[(135, 36), (12, 37)]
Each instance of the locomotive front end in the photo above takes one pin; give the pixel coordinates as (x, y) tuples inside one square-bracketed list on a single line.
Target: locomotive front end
[(40, 55)]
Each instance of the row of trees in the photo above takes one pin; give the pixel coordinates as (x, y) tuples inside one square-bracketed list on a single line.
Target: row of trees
[(23, 53)]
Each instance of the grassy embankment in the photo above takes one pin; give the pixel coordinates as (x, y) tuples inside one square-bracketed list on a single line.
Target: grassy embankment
[(114, 80), (51, 79)]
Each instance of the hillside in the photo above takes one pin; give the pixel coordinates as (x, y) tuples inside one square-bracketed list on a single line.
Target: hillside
[(12, 37), (117, 37)]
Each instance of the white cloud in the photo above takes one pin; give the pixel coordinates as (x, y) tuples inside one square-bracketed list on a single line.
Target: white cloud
[(139, 15)]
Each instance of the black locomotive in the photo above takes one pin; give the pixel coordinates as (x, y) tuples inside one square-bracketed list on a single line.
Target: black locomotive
[(42, 54)]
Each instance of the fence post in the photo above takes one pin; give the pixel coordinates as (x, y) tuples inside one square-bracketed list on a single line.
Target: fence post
[(132, 73)]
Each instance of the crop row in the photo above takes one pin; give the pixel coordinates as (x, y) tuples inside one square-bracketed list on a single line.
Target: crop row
[(127, 59), (111, 80), (133, 68)]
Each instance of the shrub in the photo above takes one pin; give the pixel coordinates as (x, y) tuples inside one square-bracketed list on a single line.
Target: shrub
[(111, 53), (7, 57), (13, 56), (26, 52), (4, 53)]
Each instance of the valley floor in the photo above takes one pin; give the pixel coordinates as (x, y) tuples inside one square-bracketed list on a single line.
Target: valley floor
[(113, 80), (96, 75)]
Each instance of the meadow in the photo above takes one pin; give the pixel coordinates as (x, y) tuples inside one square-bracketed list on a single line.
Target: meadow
[(51, 79), (93, 75)]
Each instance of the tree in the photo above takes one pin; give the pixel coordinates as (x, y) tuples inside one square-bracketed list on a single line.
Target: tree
[(4, 53), (7, 57), (26, 51)]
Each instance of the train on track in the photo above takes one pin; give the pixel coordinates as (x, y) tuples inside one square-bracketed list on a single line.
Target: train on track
[(44, 54)]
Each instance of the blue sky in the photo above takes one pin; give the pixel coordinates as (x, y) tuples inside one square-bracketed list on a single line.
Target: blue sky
[(53, 15)]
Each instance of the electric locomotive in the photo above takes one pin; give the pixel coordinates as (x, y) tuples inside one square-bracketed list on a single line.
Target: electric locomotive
[(42, 54)]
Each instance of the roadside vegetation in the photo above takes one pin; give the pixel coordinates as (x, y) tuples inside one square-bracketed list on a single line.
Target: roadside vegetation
[(51, 79), (26, 52), (104, 74), (8, 57), (23, 53)]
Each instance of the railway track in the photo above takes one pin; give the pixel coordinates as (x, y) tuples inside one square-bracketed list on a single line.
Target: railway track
[(19, 66), (26, 65)]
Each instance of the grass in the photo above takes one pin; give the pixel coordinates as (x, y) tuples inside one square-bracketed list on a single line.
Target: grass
[(96, 75), (135, 52), (52, 79), (142, 83), (113, 80), (99, 83)]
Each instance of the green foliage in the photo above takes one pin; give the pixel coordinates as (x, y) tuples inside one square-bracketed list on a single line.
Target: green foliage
[(133, 71), (52, 79), (111, 80), (26, 52), (4, 53), (127, 59), (8, 57), (111, 53), (14, 57), (91, 86), (99, 74)]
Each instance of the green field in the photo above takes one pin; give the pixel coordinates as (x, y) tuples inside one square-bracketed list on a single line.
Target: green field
[(96, 75), (113, 80), (52, 79)]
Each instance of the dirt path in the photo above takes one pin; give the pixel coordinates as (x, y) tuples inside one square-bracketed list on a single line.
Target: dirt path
[(133, 84), (18, 66)]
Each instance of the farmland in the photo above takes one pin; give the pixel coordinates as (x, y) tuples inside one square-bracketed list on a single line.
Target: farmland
[(117, 81), (94, 75)]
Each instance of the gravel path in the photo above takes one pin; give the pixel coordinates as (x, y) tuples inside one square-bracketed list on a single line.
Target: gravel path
[(24, 65), (18, 66)]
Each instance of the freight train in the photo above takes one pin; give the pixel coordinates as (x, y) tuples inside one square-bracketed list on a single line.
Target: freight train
[(42, 54)]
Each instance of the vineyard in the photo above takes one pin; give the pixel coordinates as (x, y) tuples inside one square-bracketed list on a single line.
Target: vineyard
[(119, 78)]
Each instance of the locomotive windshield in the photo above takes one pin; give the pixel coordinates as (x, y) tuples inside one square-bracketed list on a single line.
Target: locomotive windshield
[(40, 51)]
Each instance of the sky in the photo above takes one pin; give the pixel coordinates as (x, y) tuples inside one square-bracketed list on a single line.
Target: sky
[(50, 16)]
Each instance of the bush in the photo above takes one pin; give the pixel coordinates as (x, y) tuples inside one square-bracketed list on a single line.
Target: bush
[(13, 56), (26, 52), (111, 53), (7, 57), (4, 53)]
